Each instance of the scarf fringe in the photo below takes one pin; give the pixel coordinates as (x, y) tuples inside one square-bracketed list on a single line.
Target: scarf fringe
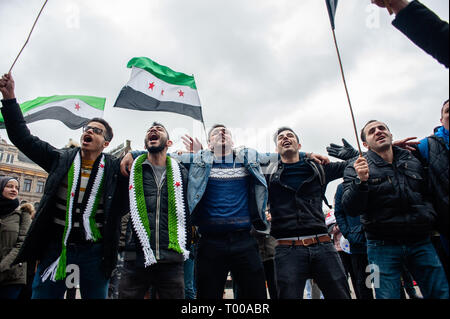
[(179, 203), (50, 272)]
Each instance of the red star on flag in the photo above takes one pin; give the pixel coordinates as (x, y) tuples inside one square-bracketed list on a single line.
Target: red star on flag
[(151, 85), (162, 92), (131, 186), (180, 93), (72, 194), (101, 165), (77, 106), (177, 184)]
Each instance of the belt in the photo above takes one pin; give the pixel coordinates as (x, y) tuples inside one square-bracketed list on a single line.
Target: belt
[(306, 241)]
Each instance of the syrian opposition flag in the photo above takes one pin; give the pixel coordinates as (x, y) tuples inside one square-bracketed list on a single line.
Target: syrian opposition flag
[(155, 87), (73, 110)]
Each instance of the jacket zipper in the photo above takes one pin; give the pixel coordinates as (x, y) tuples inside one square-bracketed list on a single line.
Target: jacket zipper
[(158, 207)]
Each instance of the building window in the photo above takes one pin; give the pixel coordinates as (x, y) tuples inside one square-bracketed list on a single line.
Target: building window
[(27, 185), (40, 187), (10, 158)]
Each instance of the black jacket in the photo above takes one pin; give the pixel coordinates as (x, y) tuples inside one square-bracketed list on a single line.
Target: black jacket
[(438, 173), (394, 203), (425, 29), (299, 212), (57, 163), (156, 200)]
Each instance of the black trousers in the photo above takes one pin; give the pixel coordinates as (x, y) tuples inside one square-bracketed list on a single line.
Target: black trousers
[(167, 279), (359, 263), (235, 252)]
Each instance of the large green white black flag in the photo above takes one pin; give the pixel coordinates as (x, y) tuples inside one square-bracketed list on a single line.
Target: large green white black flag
[(73, 110), (154, 87)]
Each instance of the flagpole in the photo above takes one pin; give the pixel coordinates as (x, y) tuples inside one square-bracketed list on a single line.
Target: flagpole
[(201, 112), (346, 90), (29, 35)]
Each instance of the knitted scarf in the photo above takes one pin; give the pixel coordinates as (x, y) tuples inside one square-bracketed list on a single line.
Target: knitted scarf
[(176, 211), (57, 270)]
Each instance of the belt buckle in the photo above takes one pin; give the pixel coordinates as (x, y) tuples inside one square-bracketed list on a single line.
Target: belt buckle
[(305, 244)]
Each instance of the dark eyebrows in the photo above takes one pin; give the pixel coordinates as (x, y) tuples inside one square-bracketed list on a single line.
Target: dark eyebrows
[(289, 134), (380, 127)]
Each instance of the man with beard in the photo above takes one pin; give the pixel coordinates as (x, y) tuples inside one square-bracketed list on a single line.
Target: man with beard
[(77, 221), (227, 195), (159, 216), (387, 187)]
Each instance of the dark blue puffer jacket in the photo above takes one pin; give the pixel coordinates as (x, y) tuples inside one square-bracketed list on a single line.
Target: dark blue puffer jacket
[(351, 227)]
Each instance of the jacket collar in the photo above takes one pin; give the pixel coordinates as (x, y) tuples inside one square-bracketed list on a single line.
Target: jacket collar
[(399, 154)]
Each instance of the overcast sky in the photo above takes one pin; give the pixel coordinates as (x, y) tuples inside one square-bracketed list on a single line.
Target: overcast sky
[(258, 65)]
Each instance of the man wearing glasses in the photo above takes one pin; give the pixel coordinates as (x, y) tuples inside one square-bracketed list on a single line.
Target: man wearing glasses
[(77, 223)]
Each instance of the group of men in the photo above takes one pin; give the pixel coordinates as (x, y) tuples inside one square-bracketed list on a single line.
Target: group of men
[(225, 192)]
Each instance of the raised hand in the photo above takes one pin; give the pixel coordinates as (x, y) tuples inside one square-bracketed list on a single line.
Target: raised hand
[(362, 168), (406, 144), (7, 86), (393, 6), (344, 152), (192, 146)]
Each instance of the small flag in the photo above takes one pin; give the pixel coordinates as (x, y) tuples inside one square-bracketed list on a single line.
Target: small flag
[(154, 87), (331, 6), (73, 110)]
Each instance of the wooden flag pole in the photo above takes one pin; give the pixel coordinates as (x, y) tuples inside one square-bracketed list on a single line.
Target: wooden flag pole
[(346, 91), (29, 35)]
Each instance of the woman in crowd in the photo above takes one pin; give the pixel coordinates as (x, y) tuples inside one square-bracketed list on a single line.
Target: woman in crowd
[(14, 225)]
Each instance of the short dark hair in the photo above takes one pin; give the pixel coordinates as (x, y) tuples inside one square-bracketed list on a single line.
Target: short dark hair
[(281, 129), (363, 134), (443, 105), (159, 124), (214, 127), (109, 132)]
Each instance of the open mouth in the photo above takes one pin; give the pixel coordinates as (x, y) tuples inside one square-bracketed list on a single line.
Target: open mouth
[(87, 139), (381, 138), (286, 144)]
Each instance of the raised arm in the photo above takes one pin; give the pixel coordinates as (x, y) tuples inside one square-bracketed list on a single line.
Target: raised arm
[(40, 152)]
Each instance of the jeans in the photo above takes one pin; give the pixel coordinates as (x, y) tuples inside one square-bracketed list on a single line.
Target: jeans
[(167, 279), (189, 274), (359, 264), (418, 256), (10, 291), (269, 271), (321, 262), (88, 257), (236, 252)]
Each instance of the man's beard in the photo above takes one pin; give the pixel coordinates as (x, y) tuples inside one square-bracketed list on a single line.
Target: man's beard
[(155, 149)]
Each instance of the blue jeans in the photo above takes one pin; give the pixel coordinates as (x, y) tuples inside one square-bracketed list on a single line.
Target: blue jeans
[(321, 262), (93, 282), (189, 274), (10, 291), (419, 257)]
